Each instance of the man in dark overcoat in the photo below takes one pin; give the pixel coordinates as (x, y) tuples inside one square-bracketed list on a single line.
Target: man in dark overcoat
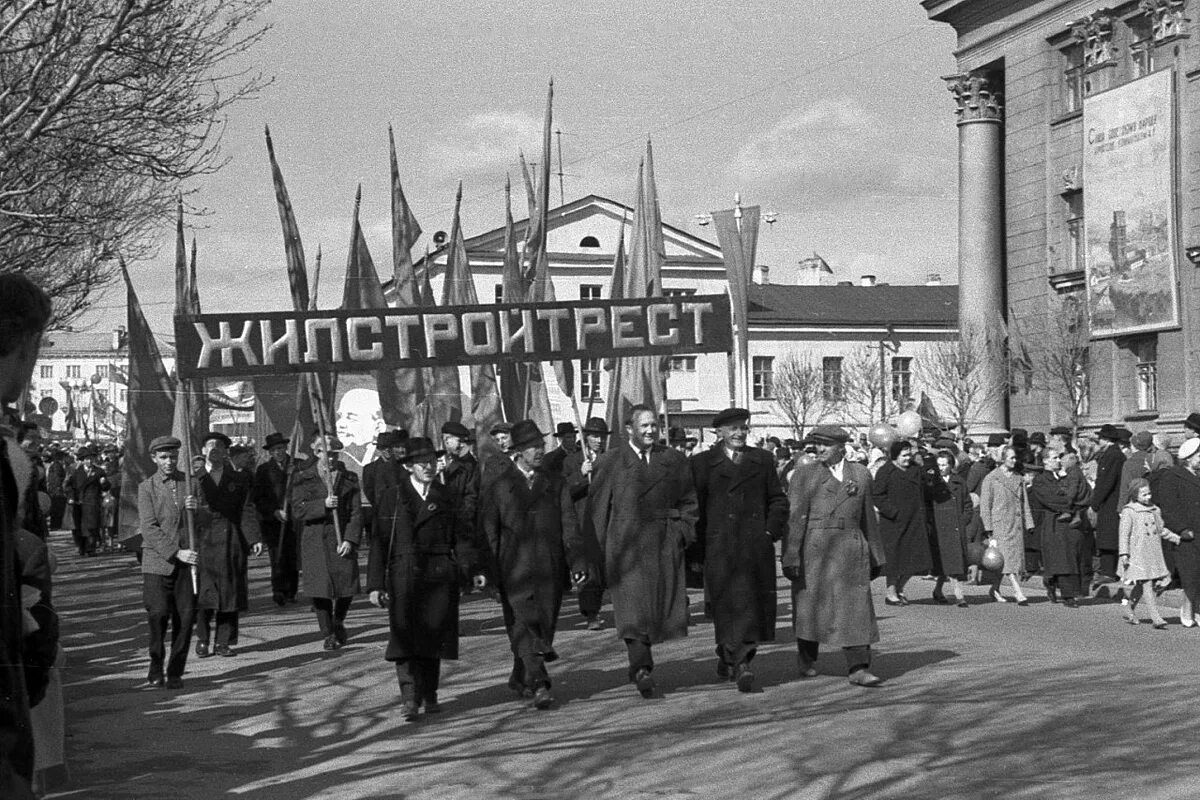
[(383, 472), (743, 510), (500, 461), (1177, 494), (413, 571), (1106, 501), (461, 475), (1062, 532), (85, 488), (231, 533), (568, 443), (278, 529), (578, 468), (831, 554), (537, 550), (643, 508)]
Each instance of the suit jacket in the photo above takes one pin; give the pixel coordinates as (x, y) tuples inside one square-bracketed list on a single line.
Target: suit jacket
[(162, 522), (85, 489)]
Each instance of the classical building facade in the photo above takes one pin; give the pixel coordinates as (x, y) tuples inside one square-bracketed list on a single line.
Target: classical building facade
[(85, 371), (1079, 196)]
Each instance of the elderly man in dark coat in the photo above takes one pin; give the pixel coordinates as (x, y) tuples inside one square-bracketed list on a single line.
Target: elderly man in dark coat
[(743, 511), (831, 554), (1106, 501), (413, 571), (85, 488), (529, 520), (381, 474), (643, 508), (1177, 493), (231, 533), (578, 468), (276, 525), (326, 501)]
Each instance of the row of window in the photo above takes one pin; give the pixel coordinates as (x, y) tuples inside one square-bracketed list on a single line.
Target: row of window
[(72, 371), (832, 384), (101, 394)]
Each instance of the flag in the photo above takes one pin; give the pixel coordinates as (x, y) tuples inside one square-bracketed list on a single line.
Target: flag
[(459, 290), (737, 234), (443, 393), (616, 289), (151, 409), (929, 415), (512, 374), (292, 246), (191, 400)]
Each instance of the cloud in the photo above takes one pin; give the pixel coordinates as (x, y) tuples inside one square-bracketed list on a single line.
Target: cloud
[(486, 142)]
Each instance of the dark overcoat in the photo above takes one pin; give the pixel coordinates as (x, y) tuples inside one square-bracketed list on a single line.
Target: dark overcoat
[(644, 516), (1106, 497), (327, 574), (1065, 542), (417, 557), (270, 486), (535, 543), (225, 541), (743, 512), (833, 539), (85, 488), (1178, 497), (380, 476), (899, 496), (952, 512), (16, 732)]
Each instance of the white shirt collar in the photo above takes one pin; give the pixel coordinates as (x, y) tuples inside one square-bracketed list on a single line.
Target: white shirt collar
[(636, 451), (839, 469), (422, 488)]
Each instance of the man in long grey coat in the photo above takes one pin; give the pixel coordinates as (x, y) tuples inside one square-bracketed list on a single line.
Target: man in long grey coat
[(642, 506), (831, 554)]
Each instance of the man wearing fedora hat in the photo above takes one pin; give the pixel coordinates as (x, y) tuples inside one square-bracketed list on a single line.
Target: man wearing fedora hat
[(499, 462), (1106, 498), (413, 571), (578, 469), (168, 561), (832, 552), (743, 511), (568, 443), (643, 509), (381, 473), (85, 488), (276, 525), (533, 534)]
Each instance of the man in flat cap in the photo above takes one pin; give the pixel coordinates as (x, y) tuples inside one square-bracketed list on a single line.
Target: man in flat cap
[(169, 557), (578, 470), (231, 533), (831, 554), (743, 512), (276, 525), (568, 442), (1106, 501), (642, 506)]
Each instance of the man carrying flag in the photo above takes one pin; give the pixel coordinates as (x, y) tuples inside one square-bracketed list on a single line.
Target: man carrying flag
[(278, 531)]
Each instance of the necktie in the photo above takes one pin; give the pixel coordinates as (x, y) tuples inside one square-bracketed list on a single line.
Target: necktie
[(646, 457)]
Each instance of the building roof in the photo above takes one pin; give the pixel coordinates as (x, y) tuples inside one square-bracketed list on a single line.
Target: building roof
[(780, 304), (94, 342)]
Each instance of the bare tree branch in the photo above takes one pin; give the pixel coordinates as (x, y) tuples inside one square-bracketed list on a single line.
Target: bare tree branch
[(1054, 349), (800, 392), (961, 373)]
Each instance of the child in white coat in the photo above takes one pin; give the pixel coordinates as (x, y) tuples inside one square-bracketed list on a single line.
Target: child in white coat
[(1141, 534)]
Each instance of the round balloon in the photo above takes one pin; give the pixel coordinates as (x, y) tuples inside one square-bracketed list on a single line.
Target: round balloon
[(908, 424), (881, 435), (992, 560)]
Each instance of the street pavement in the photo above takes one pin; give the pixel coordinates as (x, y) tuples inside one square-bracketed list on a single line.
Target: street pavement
[(989, 701)]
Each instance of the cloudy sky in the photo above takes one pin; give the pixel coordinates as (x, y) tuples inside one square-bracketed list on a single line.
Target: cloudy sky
[(832, 114)]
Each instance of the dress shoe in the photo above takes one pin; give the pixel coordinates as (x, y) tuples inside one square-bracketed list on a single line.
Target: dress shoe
[(897, 602), (1070, 602), (744, 679), (202, 650), (1159, 624), (279, 599), (940, 599), (224, 650), (997, 597), (432, 706), (962, 603), (339, 632), (1052, 594), (807, 668), (175, 682), (155, 681), (1022, 601), (594, 623), (331, 642), (542, 699), (1187, 620), (644, 682), (863, 677), (409, 710)]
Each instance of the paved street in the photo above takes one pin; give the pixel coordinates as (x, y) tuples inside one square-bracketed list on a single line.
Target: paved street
[(990, 701)]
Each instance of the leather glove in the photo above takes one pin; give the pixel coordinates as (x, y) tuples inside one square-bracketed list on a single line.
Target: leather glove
[(794, 574)]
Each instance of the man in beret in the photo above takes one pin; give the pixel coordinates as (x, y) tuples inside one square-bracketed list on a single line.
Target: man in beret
[(568, 442), (642, 505), (461, 477), (278, 530), (831, 554), (1106, 501), (577, 469), (743, 511), (232, 532), (169, 558)]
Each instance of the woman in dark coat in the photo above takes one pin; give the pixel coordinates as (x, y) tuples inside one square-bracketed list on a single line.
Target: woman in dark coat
[(899, 496), (1065, 545), (421, 544), (1178, 495), (321, 489), (952, 512)]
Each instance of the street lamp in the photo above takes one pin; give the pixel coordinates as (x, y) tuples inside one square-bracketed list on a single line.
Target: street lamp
[(889, 344)]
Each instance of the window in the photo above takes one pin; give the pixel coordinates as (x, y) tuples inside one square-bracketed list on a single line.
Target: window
[(763, 369), (1073, 79), (589, 241), (46, 371), (1146, 352), (902, 382), (1076, 255), (73, 371), (590, 291), (499, 292), (831, 378), (589, 379), (1083, 388), (678, 292), (102, 371), (124, 396)]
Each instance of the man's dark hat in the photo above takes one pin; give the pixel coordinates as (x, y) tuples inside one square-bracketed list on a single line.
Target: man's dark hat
[(1037, 437), (87, 451), (1124, 436), (996, 439), (420, 448), (1193, 421), (1060, 430), (1109, 432), (676, 435), (946, 443), (1020, 437), (526, 434), (238, 449), (165, 443), (596, 426), (828, 434), (220, 437), (564, 428), (386, 439), (501, 427), (455, 428), (274, 439), (729, 416)]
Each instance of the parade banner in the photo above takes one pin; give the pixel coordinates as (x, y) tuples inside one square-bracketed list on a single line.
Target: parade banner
[(271, 343), (1130, 211)]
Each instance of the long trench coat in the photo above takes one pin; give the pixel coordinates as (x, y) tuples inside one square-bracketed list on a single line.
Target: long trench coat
[(743, 511), (951, 511), (1106, 497), (899, 497), (1004, 508), (644, 516), (415, 557), (833, 538), (1063, 533), (535, 544), (326, 574), (225, 541)]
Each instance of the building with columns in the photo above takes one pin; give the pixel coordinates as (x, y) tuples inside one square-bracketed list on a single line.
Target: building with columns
[(1079, 204)]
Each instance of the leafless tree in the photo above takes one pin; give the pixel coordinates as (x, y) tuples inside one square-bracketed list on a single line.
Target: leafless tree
[(801, 392), (962, 372), (1052, 349), (106, 107), (862, 386)]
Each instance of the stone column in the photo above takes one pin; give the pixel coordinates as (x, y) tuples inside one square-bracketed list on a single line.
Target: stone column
[(981, 303)]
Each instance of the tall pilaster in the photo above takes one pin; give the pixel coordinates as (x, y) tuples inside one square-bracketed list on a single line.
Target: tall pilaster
[(981, 305)]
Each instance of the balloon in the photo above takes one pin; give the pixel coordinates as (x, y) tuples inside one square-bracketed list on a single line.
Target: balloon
[(975, 552), (881, 435), (908, 424), (992, 560)]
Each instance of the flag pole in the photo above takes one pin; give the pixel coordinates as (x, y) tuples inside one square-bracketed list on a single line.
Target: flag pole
[(188, 486), (322, 431)]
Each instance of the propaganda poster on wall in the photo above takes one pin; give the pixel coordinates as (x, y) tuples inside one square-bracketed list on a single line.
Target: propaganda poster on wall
[(1129, 207)]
